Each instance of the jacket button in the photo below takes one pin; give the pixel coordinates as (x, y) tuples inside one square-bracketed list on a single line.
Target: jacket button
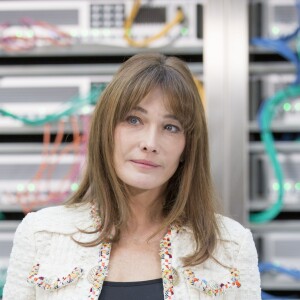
[(175, 276), (93, 274)]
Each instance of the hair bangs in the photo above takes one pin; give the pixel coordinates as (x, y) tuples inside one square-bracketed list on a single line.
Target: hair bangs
[(181, 101), (138, 87)]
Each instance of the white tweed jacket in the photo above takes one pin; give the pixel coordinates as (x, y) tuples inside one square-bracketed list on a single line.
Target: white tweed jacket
[(46, 263)]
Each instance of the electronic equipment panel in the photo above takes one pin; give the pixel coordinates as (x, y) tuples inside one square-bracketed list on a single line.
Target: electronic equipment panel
[(102, 21), (264, 87), (288, 113), (263, 184), (31, 177), (279, 17), (282, 248), (38, 96)]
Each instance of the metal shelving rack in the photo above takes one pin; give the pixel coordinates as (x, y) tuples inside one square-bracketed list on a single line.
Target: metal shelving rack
[(263, 63), (229, 62)]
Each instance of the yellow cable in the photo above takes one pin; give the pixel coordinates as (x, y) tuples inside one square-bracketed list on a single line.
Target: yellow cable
[(128, 22), (200, 89), (147, 41)]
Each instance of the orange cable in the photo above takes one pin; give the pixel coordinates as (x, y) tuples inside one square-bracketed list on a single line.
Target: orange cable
[(74, 145), (21, 196)]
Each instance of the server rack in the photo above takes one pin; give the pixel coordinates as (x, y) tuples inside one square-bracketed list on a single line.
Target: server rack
[(269, 72)]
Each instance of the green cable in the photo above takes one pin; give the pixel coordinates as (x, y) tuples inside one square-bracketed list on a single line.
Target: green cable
[(3, 273), (69, 108), (267, 115)]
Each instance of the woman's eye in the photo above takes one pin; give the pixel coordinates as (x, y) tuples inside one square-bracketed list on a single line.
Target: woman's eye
[(172, 128), (133, 120)]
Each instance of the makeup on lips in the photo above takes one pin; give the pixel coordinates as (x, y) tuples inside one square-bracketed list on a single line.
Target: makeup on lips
[(147, 164)]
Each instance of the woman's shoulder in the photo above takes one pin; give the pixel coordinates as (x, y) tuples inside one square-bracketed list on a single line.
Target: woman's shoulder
[(231, 234), (229, 225), (62, 219), (231, 229), (63, 211)]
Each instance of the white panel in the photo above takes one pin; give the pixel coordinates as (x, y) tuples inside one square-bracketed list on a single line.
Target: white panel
[(101, 21)]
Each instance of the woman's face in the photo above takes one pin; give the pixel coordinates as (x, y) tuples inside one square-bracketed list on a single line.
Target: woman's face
[(148, 144)]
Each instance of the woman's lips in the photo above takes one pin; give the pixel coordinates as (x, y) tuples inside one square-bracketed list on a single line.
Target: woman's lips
[(146, 163)]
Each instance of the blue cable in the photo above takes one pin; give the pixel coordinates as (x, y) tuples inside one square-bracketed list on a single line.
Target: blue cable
[(267, 267), (266, 296), (271, 267), (280, 45)]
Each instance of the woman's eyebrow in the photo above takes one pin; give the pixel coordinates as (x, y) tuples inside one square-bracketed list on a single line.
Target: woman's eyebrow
[(144, 111), (140, 109)]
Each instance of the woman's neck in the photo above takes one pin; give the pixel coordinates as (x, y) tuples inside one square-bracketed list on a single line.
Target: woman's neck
[(146, 213)]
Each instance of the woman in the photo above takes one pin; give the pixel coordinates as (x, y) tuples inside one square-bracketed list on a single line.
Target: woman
[(142, 224)]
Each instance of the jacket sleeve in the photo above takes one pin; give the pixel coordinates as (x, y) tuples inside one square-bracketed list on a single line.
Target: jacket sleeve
[(248, 265), (21, 262)]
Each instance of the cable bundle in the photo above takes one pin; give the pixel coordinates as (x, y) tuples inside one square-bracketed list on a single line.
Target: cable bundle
[(267, 112), (179, 18), (29, 34), (34, 194)]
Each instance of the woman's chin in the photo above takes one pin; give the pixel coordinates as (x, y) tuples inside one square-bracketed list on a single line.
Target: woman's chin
[(142, 187)]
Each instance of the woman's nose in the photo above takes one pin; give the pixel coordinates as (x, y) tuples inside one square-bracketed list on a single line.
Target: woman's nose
[(148, 148), (149, 141)]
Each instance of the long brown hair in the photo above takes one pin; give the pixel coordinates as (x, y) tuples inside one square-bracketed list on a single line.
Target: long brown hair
[(189, 197)]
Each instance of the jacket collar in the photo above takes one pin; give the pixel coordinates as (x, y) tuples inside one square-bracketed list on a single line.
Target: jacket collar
[(169, 275)]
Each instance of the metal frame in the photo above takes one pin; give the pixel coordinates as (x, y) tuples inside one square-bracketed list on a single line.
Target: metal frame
[(226, 86)]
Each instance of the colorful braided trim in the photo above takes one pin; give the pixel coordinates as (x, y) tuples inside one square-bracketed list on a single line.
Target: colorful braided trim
[(211, 288), (98, 273), (168, 275), (52, 284)]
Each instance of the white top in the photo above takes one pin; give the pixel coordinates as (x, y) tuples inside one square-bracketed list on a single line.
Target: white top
[(68, 271)]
